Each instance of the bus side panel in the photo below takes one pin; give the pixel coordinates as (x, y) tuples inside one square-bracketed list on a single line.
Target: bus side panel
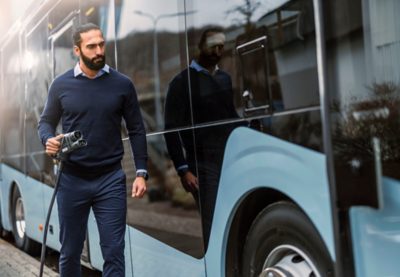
[(376, 234), (154, 258), (5, 200), (96, 258), (31, 192), (254, 160), (52, 237)]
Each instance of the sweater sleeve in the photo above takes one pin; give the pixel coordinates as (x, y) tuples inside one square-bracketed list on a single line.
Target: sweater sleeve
[(50, 116), (135, 127), (176, 115)]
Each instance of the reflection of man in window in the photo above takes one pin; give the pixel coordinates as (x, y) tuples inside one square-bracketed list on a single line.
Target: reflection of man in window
[(211, 99)]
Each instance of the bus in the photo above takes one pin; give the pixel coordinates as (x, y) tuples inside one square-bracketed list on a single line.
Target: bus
[(306, 172)]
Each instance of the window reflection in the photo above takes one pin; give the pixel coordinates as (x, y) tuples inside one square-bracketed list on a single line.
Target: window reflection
[(151, 50), (364, 83), (167, 212), (13, 110), (39, 165)]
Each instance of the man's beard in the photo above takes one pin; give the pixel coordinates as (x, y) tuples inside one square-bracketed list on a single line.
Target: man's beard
[(209, 60), (96, 63)]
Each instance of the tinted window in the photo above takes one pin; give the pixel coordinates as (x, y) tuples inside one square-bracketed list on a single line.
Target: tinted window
[(363, 69), (13, 111), (151, 51), (38, 78)]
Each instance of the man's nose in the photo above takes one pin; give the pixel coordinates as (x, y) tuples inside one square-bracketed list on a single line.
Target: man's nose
[(99, 49), (218, 49)]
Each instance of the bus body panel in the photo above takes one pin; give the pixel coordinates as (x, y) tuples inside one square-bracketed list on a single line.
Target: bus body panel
[(255, 160), (96, 258), (31, 193), (376, 234), (151, 257)]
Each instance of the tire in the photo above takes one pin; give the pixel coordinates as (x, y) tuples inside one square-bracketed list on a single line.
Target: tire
[(2, 231), (282, 240), (22, 241)]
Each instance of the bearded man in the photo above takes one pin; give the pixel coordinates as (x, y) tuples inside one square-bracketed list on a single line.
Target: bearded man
[(94, 98)]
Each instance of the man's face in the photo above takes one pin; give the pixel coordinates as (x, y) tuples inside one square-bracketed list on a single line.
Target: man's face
[(91, 50), (212, 49)]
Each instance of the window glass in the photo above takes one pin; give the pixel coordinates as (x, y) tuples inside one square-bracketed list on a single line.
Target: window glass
[(63, 11), (13, 111), (364, 75), (38, 78), (167, 212), (151, 51), (269, 51), (63, 54)]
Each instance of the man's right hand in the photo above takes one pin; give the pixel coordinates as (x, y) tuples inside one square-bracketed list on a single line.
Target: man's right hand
[(190, 182), (53, 145)]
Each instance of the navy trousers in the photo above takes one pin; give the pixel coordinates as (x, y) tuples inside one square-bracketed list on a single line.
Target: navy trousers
[(106, 195)]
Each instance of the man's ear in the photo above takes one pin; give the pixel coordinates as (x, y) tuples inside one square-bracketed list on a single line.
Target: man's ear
[(77, 51)]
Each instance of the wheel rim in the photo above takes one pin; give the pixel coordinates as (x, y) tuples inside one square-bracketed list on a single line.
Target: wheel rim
[(20, 218), (288, 260)]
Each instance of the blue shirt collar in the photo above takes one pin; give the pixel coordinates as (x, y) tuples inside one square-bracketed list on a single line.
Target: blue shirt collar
[(195, 65), (78, 71)]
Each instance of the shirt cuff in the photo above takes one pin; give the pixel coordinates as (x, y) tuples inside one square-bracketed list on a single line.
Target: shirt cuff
[(185, 166)]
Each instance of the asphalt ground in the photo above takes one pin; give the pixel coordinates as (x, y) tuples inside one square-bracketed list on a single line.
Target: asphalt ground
[(16, 263)]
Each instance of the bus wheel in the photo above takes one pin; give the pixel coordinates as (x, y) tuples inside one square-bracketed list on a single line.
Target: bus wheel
[(283, 242), (18, 226), (2, 231)]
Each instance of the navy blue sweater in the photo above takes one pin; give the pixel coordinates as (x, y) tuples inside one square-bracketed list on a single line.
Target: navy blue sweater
[(96, 108)]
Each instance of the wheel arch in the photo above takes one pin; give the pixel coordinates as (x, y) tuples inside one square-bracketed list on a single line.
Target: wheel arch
[(245, 214), (14, 186)]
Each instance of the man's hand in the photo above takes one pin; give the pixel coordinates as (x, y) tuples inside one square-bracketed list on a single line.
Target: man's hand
[(139, 187), (190, 182), (53, 145)]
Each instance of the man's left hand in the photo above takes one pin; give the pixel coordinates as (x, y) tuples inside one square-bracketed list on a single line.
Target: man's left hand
[(139, 187)]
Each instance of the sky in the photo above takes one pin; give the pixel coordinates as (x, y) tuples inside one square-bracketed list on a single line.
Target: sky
[(204, 14)]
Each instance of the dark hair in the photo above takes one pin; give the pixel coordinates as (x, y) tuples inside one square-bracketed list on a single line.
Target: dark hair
[(212, 29), (76, 36)]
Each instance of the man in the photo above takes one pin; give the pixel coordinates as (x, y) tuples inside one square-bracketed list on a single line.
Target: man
[(93, 98), (207, 96)]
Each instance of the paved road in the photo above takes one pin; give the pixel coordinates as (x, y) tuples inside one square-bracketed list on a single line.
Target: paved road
[(15, 263)]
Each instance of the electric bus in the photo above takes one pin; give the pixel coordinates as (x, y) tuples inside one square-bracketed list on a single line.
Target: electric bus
[(308, 175)]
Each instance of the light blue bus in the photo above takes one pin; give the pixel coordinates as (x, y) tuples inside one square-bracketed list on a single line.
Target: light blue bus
[(306, 170)]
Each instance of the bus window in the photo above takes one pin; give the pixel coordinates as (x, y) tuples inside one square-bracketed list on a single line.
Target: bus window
[(151, 50), (362, 48), (62, 12), (168, 213), (12, 113), (61, 48), (38, 78)]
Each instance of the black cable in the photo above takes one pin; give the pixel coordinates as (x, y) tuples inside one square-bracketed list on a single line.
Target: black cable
[(46, 227)]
